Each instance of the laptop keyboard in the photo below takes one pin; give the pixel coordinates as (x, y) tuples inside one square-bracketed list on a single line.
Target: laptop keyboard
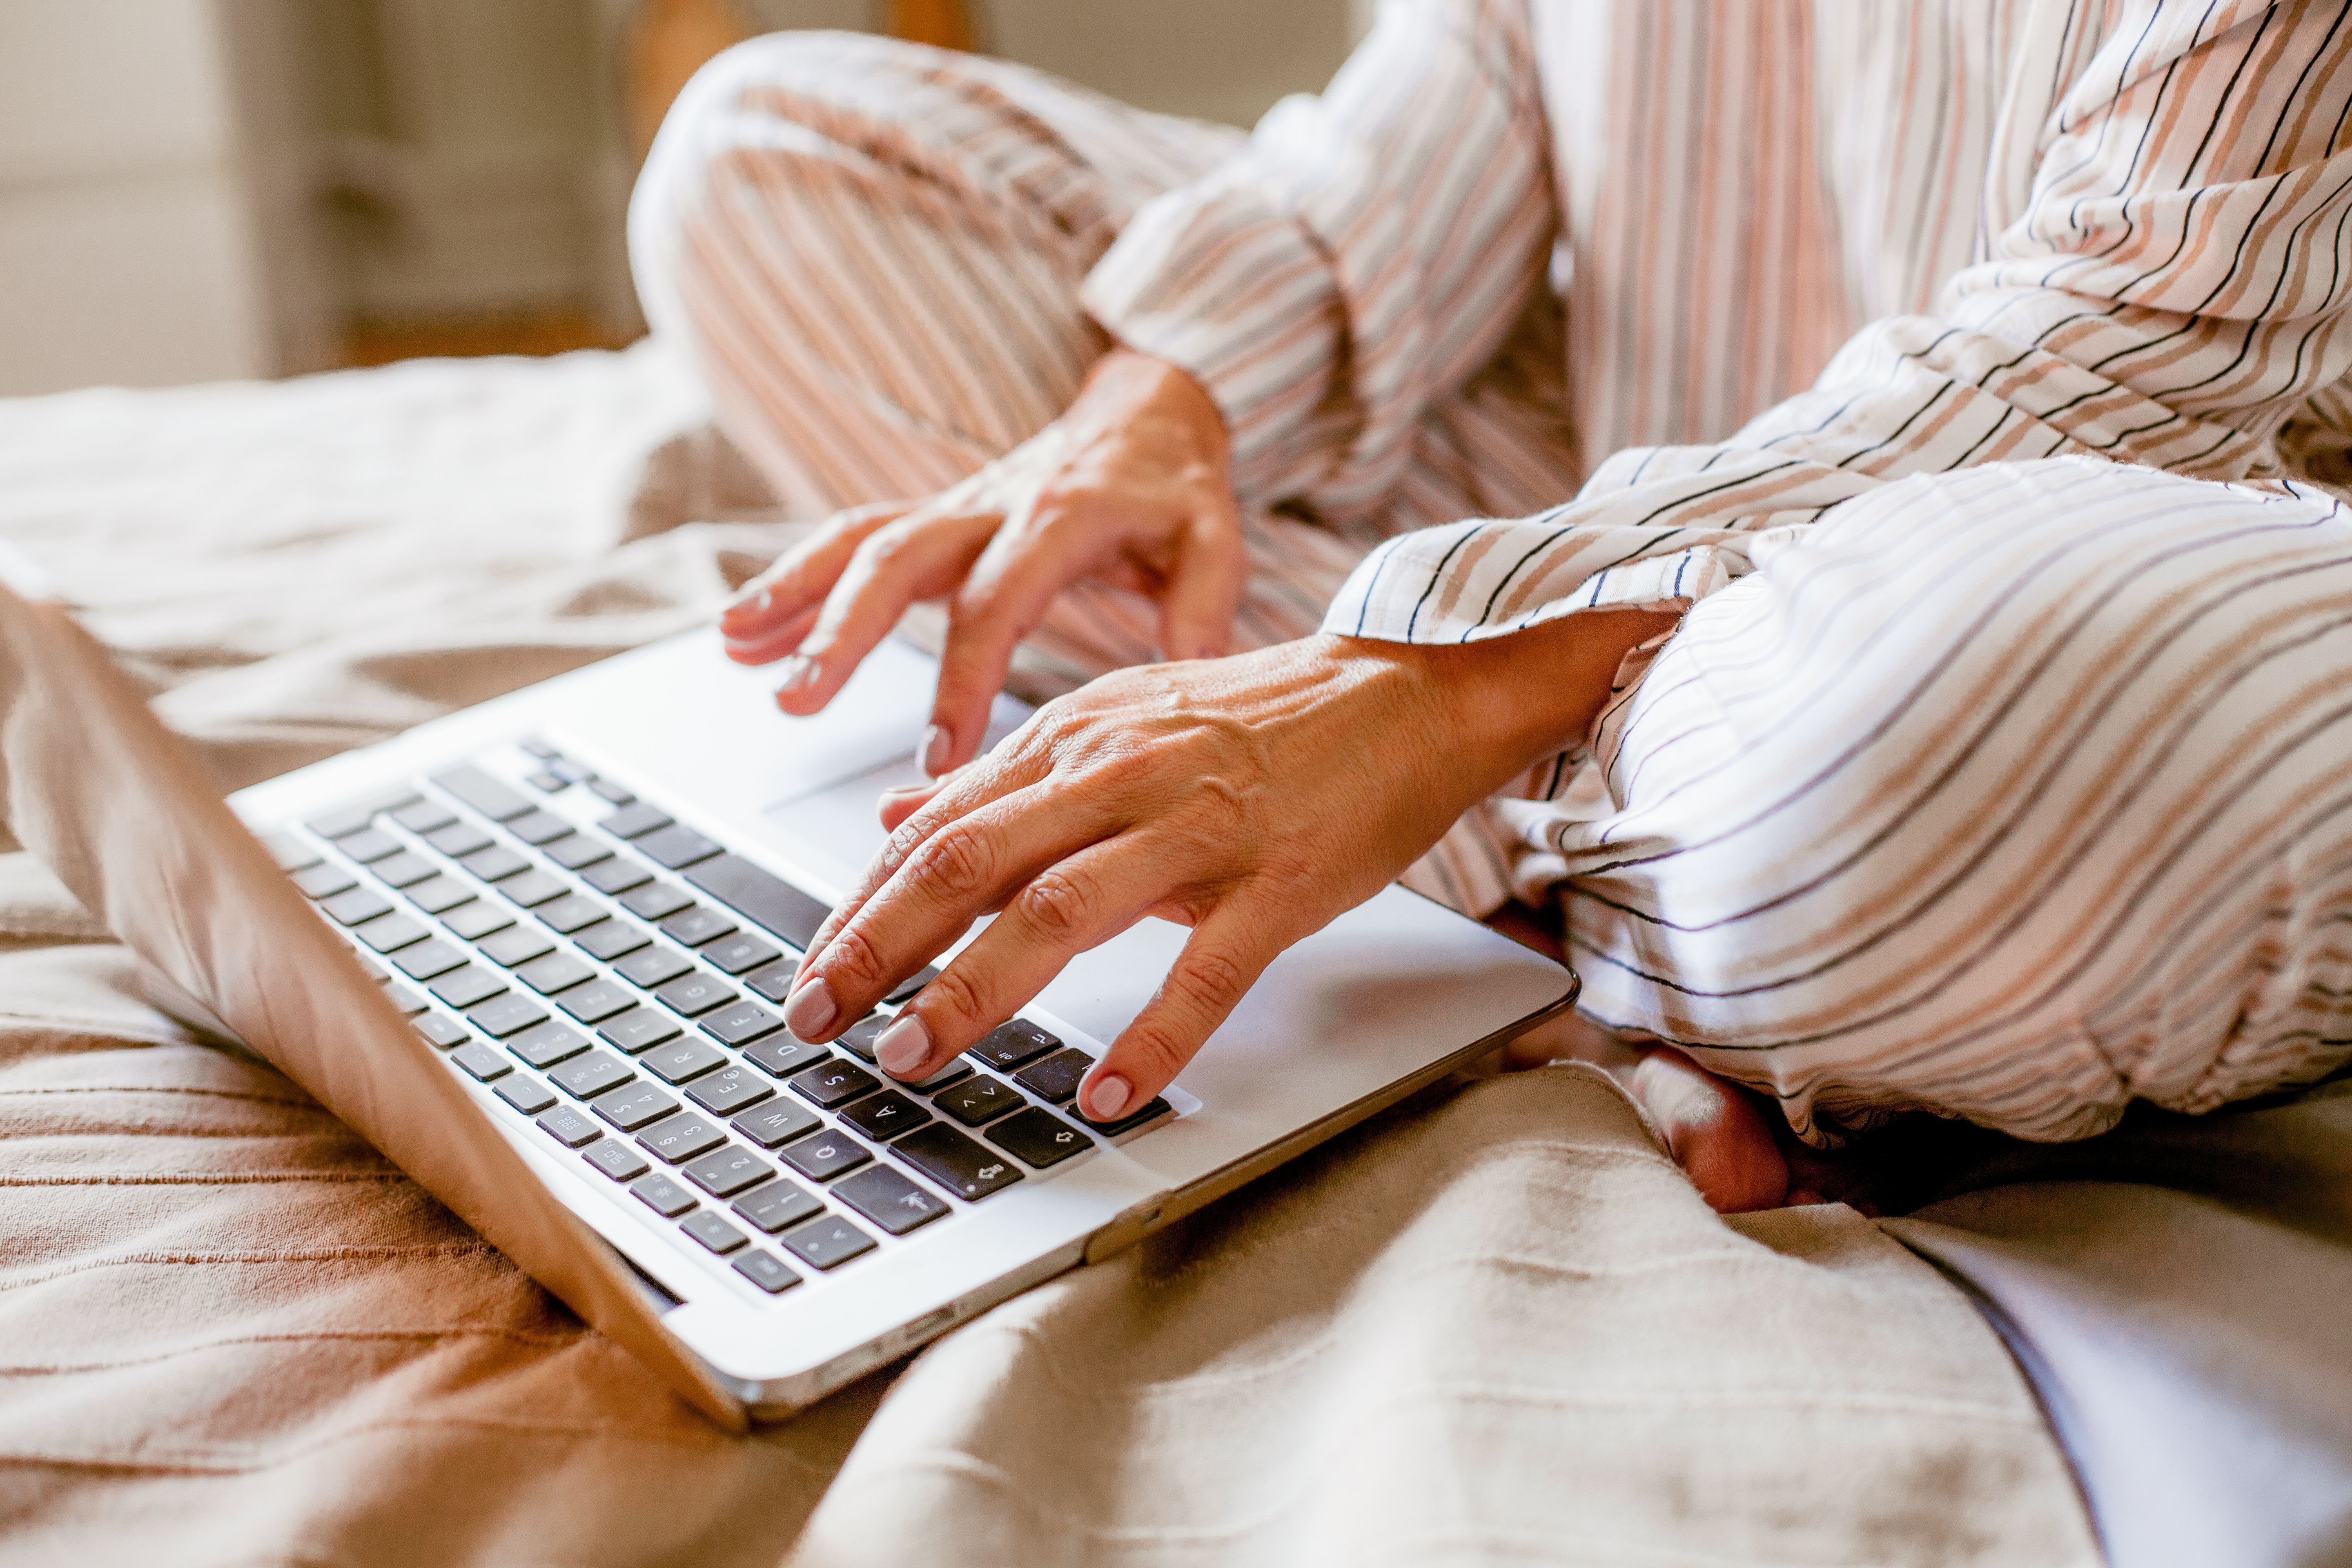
[(616, 985)]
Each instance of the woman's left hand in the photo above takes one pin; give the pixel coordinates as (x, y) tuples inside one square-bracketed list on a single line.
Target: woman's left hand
[(1254, 798)]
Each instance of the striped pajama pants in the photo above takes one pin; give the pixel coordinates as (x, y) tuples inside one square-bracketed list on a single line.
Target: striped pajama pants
[(2015, 793)]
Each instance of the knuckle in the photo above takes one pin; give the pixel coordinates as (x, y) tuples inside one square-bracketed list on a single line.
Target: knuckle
[(850, 964), (1060, 906), (958, 861), (954, 998), (1214, 975), (1154, 1049)]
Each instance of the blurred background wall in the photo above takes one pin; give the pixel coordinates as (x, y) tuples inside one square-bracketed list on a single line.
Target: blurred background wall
[(194, 190)]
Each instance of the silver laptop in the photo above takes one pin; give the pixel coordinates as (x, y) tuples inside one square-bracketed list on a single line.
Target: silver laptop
[(536, 951)]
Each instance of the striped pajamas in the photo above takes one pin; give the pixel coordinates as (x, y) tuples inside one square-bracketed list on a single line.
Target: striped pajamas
[(1990, 766)]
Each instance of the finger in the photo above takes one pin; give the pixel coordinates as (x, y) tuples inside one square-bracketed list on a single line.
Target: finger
[(1006, 596), (1204, 590), (783, 638), (1225, 954), (920, 556), (797, 580), (895, 805)]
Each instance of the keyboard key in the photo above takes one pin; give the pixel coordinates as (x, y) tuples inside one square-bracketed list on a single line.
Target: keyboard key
[(612, 792), (609, 940), (883, 1116), (694, 994), (575, 851), (570, 1127), (495, 864), (526, 1093), (955, 1161), (653, 901), (889, 1200), (290, 853), (533, 888), (549, 782), (596, 1001), (538, 827), (634, 821), (682, 1137), (441, 1030), (1055, 1078), (356, 907), (1133, 1120), (725, 1094), (424, 816), (585, 1077), (1008, 1045), (477, 920), (407, 1002), (673, 846), (424, 960), (517, 947), (663, 1195), (568, 770), (725, 1172), (540, 749), (389, 933), (617, 875), (546, 1045), (655, 966), (956, 1071), (572, 912), (482, 1061), (826, 1242), (616, 1160), (680, 1060), (979, 1098), (778, 1123), (439, 894), (342, 823), (403, 870), (740, 1021), (774, 981), (370, 968), (735, 954), (1039, 1137), (464, 987), (713, 1232), (826, 1155), (483, 792), (778, 1205), (639, 1105), (693, 926), (766, 900), (368, 845), (324, 882), (458, 839), (906, 989), (555, 971), (784, 1053), (859, 1038), (832, 1083), (640, 1028), (507, 1015)]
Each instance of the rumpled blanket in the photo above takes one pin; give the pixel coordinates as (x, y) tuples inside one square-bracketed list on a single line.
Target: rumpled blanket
[(1493, 1325)]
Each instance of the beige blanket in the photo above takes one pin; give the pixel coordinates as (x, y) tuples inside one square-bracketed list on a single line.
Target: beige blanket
[(1494, 1326)]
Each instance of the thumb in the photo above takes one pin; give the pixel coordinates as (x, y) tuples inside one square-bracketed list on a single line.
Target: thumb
[(1205, 589)]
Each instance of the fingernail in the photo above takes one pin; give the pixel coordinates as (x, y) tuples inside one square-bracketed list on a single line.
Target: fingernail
[(758, 599), (903, 1046), (1107, 1097), (810, 1010), (799, 670), (936, 741)]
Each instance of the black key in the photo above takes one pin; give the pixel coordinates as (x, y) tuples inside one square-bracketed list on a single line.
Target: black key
[(955, 1161), (538, 827), (1008, 1045), (775, 981), (526, 1093), (569, 771), (482, 1061), (956, 1071), (407, 1002), (713, 1232), (574, 911), (458, 839), (609, 940), (693, 926), (290, 853), (370, 968), (533, 888), (834, 1083), (663, 1195), (977, 1099), (778, 1205), (612, 792), (441, 1030), (725, 1094), (404, 869), (494, 864), (1055, 1078), (1039, 1137), (438, 895), (767, 902), (569, 1127), (516, 947), (655, 966), (483, 792), (617, 875), (859, 1038), (906, 989), (682, 1060), (575, 851), (464, 987), (653, 901), (826, 1155), (890, 1200), (585, 1077), (546, 1045), (507, 1015), (474, 922), (775, 1123), (826, 1242), (424, 817), (549, 782), (389, 933), (344, 824), (673, 846), (883, 1117), (595, 1001), (616, 1160), (424, 960), (1157, 1109), (540, 749), (767, 1271), (369, 844), (556, 972), (723, 1172), (639, 1105), (631, 822), (682, 1137), (359, 905), (324, 882), (734, 954), (693, 994), (639, 1029), (784, 1053), (740, 1021)]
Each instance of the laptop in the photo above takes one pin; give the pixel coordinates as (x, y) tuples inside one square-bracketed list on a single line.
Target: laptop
[(535, 953)]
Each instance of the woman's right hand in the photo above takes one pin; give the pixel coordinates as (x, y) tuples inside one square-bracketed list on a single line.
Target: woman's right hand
[(1129, 484)]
